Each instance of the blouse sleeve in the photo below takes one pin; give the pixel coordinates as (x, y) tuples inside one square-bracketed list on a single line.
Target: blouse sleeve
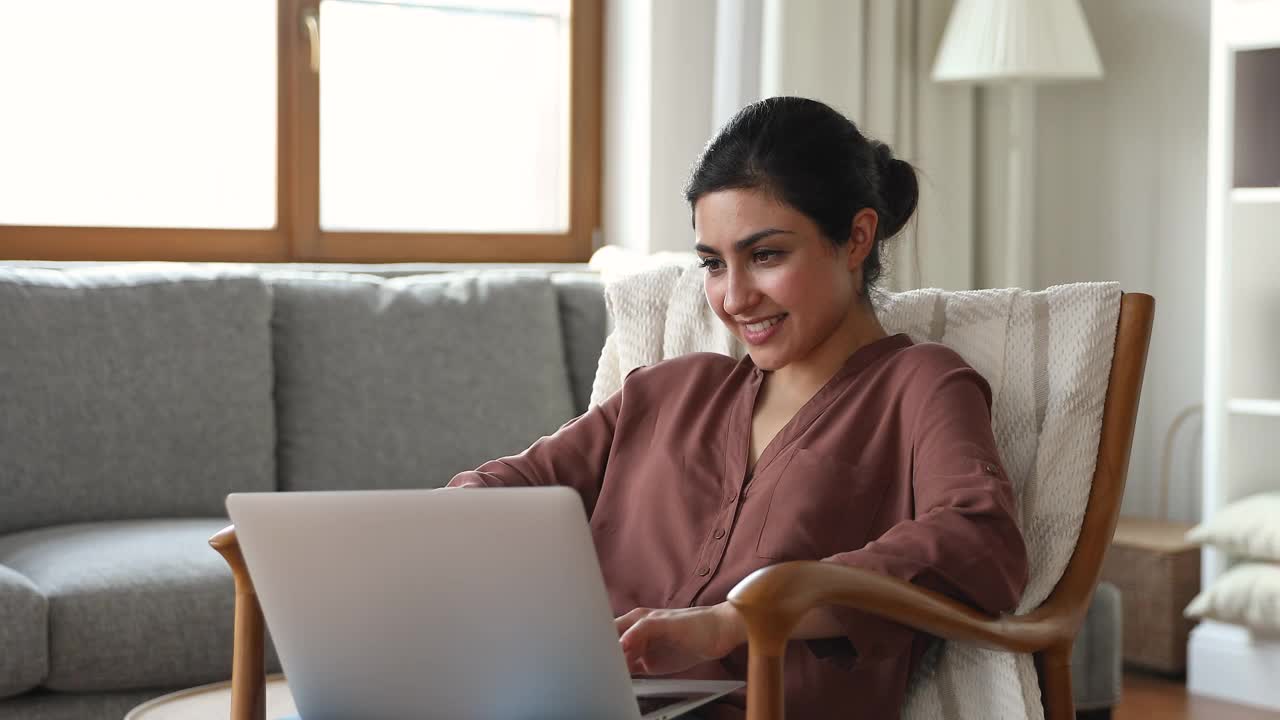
[(963, 541), (574, 456)]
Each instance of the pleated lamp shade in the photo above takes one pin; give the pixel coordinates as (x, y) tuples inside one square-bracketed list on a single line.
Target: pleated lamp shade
[(993, 40)]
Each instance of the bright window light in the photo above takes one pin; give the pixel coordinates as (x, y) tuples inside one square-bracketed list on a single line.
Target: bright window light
[(138, 113), (450, 116)]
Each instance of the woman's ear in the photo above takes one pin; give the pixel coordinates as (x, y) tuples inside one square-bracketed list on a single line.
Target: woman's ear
[(862, 235)]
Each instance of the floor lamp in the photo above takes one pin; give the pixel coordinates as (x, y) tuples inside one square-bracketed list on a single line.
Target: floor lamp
[(1017, 43)]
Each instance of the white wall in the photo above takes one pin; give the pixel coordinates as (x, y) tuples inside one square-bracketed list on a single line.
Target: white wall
[(625, 197), (683, 69), (659, 69), (814, 49), (1120, 195), (737, 57)]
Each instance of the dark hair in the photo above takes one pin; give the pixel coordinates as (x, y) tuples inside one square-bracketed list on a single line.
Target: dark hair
[(812, 158)]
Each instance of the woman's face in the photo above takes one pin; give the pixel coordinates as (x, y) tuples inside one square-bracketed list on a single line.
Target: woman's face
[(772, 277)]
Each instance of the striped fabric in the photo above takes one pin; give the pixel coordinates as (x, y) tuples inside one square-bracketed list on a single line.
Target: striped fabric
[(1047, 356)]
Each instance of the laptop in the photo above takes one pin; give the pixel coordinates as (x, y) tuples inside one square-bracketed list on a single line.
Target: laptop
[(471, 604)]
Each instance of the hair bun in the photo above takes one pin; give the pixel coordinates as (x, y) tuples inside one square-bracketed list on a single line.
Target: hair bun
[(899, 187), (884, 158)]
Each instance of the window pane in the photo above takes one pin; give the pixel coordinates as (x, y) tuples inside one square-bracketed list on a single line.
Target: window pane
[(444, 116), (138, 113)]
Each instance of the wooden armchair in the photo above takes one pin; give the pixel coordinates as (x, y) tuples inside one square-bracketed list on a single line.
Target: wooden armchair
[(774, 599)]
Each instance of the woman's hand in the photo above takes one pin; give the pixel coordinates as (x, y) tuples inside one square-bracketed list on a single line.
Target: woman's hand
[(662, 642)]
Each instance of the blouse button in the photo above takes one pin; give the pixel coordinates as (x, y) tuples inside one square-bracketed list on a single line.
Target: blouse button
[(719, 534), (989, 468), (703, 572)]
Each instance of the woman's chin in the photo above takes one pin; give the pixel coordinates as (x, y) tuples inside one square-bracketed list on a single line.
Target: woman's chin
[(766, 358)]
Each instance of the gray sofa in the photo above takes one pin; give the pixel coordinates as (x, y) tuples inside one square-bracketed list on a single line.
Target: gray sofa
[(133, 398)]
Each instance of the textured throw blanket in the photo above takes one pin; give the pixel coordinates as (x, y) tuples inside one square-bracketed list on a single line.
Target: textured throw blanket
[(1047, 356)]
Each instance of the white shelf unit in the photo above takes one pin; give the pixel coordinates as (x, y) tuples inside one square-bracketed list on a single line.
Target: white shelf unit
[(1256, 195), (1242, 319), (1254, 406)]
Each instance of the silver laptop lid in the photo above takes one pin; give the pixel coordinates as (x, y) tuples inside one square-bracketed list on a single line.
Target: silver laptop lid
[(465, 604)]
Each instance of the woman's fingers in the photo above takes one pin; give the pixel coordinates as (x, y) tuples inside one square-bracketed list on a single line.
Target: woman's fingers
[(661, 642), (624, 623), (635, 644), (633, 638)]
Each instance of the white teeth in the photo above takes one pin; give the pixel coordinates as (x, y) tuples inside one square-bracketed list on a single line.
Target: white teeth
[(764, 324)]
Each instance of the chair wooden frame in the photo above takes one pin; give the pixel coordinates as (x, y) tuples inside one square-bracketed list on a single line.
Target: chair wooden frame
[(774, 599)]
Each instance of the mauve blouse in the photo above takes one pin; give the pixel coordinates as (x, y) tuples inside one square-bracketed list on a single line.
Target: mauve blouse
[(891, 466)]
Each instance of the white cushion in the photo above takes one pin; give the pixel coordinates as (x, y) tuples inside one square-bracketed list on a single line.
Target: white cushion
[(1247, 594), (1047, 356), (1248, 527)]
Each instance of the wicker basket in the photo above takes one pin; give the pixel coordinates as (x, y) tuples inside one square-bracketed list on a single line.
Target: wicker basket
[(1158, 573)]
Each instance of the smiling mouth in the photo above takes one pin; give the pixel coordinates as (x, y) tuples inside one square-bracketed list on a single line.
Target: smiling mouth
[(758, 333), (759, 327)]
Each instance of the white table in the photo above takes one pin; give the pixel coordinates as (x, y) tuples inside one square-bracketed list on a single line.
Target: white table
[(212, 702)]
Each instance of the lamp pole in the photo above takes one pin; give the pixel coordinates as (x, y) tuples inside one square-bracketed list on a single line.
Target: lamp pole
[(1019, 270)]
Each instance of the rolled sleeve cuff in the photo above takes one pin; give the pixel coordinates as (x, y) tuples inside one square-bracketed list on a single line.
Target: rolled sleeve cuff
[(866, 636)]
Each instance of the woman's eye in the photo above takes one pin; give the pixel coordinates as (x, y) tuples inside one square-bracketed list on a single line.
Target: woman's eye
[(709, 263), (764, 255)]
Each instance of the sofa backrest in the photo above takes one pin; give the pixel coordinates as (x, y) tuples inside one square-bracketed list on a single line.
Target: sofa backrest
[(585, 322), (132, 392), (403, 382), (579, 296), (153, 390)]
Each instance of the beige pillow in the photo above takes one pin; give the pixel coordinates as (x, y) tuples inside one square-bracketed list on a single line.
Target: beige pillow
[(1248, 527), (1247, 594)]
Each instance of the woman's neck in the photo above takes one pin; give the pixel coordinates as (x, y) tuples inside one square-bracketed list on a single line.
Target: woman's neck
[(802, 378)]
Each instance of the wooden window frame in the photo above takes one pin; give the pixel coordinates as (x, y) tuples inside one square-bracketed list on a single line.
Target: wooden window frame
[(297, 236)]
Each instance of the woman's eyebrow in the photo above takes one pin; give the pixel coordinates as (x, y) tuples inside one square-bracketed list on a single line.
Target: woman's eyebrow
[(745, 242)]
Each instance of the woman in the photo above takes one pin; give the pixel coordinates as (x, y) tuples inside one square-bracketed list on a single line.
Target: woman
[(831, 440)]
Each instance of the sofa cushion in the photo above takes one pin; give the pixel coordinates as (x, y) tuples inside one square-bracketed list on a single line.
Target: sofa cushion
[(580, 296), (132, 604), (402, 383), (24, 638), (132, 391), (49, 705)]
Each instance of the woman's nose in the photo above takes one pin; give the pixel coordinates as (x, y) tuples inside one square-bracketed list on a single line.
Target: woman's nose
[(740, 293)]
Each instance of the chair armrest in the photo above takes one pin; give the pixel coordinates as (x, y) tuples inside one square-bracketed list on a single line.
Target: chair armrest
[(248, 655), (774, 599), (777, 597)]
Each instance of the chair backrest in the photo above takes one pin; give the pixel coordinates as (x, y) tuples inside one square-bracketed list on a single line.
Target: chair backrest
[(1048, 358), (1048, 417)]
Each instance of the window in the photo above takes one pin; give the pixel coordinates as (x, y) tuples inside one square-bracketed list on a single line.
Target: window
[(309, 130)]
